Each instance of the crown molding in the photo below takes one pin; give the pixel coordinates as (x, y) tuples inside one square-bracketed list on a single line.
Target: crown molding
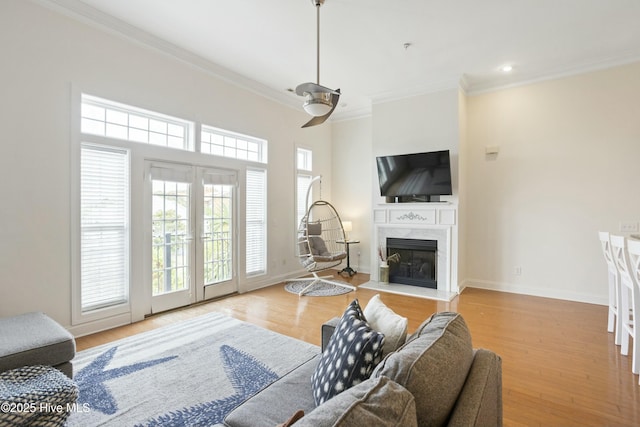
[(79, 11), (494, 85)]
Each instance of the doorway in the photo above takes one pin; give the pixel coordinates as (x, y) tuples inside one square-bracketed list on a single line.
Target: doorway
[(191, 234)]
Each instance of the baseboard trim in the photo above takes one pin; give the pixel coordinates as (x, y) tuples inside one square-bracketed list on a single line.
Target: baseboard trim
[(537, 292), (95, 326)]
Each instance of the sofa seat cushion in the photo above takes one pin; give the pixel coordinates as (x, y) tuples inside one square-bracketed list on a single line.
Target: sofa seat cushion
[(353, 352), (34, 339), (376, 402), (278, 401), (433, 366)]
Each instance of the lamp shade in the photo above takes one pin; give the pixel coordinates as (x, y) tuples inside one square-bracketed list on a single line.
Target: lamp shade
[(347, 226)]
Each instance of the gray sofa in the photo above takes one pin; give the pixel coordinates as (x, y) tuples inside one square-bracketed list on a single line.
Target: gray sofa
[(435, 379)]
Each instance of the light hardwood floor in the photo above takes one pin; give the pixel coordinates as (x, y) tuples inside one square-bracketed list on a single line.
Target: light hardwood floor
[(560, 366)]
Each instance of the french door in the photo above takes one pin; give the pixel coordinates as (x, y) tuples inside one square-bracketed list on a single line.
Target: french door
[(191, 239)]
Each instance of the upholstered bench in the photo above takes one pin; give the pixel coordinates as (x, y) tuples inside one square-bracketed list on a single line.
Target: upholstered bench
[(35, 339), (36, 396)]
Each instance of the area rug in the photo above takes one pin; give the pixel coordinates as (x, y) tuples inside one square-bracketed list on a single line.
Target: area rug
[(318, 290), (191, 373)]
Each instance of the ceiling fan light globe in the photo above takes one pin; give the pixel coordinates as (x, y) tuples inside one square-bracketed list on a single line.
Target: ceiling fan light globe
[(318, 104)]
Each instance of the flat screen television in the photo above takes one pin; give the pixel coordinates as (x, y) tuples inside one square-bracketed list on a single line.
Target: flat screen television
[(418, 177)]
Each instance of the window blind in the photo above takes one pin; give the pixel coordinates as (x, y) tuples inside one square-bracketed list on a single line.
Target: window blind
[(256, 226), (104, 226)]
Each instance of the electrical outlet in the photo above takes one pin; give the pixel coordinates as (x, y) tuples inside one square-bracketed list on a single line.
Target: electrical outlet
[(628, 226), (517, 271)]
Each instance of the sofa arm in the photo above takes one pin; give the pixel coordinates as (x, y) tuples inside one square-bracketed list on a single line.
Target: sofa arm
[(480, 401), (327, 330)]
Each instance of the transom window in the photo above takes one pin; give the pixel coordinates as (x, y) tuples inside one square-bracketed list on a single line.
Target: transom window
[(120, 121), (304, 159), (223, 143)]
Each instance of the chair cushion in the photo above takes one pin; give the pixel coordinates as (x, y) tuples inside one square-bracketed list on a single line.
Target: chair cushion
[(376, 402), (384, 320), (353, 352), (34, 339), (433, 366), (318, 246)]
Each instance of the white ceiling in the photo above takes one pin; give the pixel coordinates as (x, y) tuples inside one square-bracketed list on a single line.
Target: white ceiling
[(269, 46)]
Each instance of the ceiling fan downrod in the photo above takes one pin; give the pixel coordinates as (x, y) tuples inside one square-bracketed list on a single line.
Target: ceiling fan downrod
[(317, 4)]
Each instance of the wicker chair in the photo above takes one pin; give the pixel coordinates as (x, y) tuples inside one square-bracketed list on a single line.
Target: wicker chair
[(321, 242)]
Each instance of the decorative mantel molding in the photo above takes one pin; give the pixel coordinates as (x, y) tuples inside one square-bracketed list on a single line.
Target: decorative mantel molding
[(412, 216)]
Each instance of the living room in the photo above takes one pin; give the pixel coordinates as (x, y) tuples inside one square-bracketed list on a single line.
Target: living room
[(527, 219)]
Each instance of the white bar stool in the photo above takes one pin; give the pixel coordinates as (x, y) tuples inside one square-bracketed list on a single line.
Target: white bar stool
[(613, 324), (627, 258)]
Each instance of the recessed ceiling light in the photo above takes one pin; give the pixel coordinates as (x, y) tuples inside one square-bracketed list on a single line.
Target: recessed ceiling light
[(506, 68)]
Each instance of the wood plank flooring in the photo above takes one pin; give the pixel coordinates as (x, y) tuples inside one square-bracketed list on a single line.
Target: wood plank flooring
[(560, 366)]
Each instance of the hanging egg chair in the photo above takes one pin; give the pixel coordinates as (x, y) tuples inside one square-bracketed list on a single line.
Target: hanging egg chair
[(321, 241)]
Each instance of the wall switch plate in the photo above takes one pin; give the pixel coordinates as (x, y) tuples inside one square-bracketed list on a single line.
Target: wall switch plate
[(628, 226)]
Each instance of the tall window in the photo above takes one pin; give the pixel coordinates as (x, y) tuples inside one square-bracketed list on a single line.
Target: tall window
[(256, 235), (104, 227), (256, 220), (304, 166)]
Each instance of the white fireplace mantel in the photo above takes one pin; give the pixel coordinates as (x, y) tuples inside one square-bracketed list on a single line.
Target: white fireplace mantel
[(428, 221)]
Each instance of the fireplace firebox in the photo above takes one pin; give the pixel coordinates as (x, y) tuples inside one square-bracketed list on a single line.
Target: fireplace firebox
[(417, 263)]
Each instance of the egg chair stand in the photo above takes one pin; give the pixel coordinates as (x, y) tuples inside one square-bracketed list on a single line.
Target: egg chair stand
[(321, 242)]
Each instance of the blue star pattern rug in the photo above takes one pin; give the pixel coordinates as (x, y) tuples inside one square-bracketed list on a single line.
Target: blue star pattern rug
[(187, 374)]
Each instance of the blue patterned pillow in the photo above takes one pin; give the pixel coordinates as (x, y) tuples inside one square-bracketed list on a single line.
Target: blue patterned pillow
[(353, 351)]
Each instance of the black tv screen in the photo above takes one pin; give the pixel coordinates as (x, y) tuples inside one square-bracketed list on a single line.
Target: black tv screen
[(415, 175)]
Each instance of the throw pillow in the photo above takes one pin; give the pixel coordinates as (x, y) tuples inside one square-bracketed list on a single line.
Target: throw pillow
[(353, 351), (433, 367), (314, 228), (377, 402), (384, 320)]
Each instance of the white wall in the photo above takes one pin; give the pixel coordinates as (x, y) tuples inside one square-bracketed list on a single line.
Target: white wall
[(567, 168), (44, 54), (352, 177)]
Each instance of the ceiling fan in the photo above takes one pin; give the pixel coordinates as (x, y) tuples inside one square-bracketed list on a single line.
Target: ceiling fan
[(320, 101)]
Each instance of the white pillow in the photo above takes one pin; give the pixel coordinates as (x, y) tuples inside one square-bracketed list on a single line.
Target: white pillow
[(382, 319)]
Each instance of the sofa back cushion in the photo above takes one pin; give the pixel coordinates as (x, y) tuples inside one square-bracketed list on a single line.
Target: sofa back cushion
[(376, 402), (433, 366)]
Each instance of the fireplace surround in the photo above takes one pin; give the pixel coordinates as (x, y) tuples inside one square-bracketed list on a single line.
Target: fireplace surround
[(422, 221)]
